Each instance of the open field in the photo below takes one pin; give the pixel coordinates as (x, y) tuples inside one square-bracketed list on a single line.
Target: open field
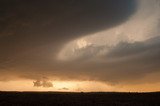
[(80, 99)]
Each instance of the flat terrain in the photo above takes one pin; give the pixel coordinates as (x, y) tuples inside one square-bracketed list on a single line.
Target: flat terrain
[(80, 99)]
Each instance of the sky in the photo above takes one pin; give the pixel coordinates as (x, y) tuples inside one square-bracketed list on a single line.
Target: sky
[(80, 45)]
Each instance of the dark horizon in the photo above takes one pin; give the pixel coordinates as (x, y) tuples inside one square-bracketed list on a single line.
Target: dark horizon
[(80, 99)]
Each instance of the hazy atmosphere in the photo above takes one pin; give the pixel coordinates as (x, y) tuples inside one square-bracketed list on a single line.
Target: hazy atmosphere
[(80, 45)]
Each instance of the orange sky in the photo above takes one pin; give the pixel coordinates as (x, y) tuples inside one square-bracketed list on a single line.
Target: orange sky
[(78, 86)]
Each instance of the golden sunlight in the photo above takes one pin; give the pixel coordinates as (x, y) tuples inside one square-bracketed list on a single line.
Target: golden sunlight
[(77, 86)]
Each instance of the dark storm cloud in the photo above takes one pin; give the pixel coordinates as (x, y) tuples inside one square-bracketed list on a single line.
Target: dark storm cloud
[(125, 63), (28, 27), (32, 32), (129, 61)]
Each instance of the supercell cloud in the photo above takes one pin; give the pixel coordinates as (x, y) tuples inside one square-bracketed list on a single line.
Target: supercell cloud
[(112, 41)]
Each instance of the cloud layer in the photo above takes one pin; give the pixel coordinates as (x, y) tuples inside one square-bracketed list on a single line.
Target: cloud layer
[(107, 40)]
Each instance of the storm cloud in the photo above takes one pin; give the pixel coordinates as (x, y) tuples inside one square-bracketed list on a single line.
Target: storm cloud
[(104, 40)]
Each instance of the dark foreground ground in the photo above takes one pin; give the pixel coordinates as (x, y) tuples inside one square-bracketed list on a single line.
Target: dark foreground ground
[(80, 99)]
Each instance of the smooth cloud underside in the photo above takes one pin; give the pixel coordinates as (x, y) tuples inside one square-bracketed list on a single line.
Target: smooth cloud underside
[(58, 41)]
